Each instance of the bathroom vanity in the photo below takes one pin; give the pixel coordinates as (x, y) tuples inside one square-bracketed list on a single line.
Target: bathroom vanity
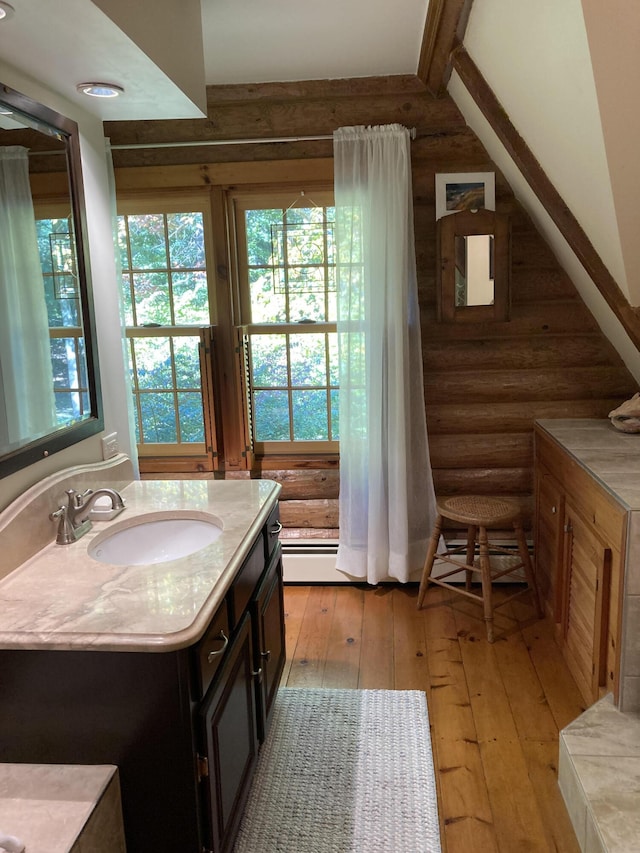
[(588, 551), (168, 671)]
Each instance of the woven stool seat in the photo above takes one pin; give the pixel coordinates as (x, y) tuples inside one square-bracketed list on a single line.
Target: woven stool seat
[(478, 513), (479, 510)]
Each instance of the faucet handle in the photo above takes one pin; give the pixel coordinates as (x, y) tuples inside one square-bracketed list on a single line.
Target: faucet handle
[(76, 499), (65, 534), (59, 513)]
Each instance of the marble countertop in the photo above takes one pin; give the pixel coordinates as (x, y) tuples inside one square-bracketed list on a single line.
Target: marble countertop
[(61, 598), (599, 776), (611, 456), (47, 806)]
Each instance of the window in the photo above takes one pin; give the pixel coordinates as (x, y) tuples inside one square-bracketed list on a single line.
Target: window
[(163, 256), (68, 360), (286, 266)]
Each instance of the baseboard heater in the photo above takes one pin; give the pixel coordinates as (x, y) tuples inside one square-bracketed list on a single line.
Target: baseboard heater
[(311, 561), (314, 561)]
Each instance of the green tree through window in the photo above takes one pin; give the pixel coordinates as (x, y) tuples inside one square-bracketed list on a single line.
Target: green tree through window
[(68, 357), (166, 301), (291, 306)]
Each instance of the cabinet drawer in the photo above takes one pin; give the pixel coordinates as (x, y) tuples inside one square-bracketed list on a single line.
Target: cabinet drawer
[(245, 582), (210, 651), (273, 528)]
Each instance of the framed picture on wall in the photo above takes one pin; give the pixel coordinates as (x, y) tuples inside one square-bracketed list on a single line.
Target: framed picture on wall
[(464, 191)]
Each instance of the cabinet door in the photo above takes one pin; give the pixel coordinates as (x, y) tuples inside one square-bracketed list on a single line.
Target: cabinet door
[(587, 569), (548, 540), (229, 730), (270, 652)]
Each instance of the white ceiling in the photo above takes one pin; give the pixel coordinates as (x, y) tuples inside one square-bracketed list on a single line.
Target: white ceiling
[(61, 43), (64, 42), (253, 41)]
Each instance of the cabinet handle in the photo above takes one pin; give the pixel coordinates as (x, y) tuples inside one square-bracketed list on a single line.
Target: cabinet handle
[(266, 655), (212, 655), (258, 675), (553, 510), (275, 528)]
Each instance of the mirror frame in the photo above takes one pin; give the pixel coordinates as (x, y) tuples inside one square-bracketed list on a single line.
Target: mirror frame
[(469, 223), (43, 447)]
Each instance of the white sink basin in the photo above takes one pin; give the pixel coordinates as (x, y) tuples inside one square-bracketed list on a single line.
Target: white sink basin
[(155, 538)]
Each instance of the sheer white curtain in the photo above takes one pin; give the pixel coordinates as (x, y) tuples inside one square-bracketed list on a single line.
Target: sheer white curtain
[(387, 501), (25, 357)]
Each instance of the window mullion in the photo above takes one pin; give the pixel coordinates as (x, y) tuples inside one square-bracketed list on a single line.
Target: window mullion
[(174, 386), (136, 387), (325, 265), (289, 389), (327, 362), (130, 273), (285, 269), (169, 270)]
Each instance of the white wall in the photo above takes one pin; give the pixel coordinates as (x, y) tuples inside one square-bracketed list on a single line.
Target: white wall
[(605, 317), (103, 273), (535, 57), (613, 30), (170, 34)]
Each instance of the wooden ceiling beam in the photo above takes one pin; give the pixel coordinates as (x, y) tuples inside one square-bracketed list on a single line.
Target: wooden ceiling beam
[(444, 29), (546, 192)]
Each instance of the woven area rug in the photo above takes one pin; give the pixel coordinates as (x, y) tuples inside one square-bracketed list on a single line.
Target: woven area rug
[(344, 771)]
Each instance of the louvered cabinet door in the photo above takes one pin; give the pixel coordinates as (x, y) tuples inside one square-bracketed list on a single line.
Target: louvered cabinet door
[(580, 552), (586, 584)]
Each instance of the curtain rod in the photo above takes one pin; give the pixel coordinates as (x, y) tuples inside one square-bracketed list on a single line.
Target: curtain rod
[(207, 142)]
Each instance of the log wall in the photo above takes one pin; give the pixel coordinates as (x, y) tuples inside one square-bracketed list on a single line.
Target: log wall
[(485, 383)]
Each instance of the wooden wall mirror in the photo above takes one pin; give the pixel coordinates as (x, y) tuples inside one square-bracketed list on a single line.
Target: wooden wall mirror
[(474, 266), (49, 379)]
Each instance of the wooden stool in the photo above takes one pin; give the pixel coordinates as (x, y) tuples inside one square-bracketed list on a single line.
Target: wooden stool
[(478, 513)]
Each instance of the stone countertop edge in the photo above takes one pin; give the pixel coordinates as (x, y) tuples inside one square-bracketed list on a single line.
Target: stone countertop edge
[(606, 442), (49, 806), (39, 615)]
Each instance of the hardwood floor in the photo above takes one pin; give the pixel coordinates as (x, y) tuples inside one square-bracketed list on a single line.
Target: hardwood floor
[(495, 710)]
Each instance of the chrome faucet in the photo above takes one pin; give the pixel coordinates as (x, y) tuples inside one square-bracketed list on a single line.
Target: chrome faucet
[(73, 519)]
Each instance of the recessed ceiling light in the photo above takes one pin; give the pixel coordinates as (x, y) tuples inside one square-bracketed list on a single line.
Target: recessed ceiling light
[(100, 90), (6, 10)]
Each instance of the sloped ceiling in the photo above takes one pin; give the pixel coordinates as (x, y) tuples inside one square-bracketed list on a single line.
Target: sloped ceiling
[(537, 58)]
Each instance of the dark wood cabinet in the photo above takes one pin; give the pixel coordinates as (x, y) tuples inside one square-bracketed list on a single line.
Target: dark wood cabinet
[(230, 736), (182, 726), (269, 639)]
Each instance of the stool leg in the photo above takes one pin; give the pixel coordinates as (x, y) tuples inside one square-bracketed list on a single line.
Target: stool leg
[(485, 569), (523, 550), (429, 560), (471, 552)]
